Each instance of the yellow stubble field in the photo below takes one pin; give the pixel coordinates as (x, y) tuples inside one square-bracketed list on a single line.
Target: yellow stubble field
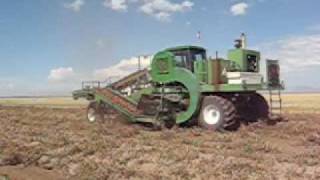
[(292, 102)]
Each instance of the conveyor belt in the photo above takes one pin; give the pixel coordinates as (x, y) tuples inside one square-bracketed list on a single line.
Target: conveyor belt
[(119, 101)]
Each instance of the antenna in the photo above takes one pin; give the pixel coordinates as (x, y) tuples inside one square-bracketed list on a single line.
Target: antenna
[(199, 36), (139, 63)]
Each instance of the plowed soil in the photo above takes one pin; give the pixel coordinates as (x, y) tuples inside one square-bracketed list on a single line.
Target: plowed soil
[(58, 143)]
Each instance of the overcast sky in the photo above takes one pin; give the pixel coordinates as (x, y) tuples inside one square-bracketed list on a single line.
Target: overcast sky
[(47, 47)]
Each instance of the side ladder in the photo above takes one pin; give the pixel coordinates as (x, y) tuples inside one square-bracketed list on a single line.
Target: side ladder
[(275, 101)]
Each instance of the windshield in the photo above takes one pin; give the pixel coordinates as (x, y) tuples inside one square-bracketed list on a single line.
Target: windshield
[(186, 58)]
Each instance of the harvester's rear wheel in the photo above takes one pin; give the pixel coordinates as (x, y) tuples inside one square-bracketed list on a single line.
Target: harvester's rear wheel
[(94, 112), (217, 114), (257, 109)]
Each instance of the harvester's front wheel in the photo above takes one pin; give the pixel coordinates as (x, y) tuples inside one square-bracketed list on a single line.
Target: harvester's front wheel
[(94, 112), (217, 114)]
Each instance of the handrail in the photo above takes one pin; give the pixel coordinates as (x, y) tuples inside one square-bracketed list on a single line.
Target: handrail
[(94, 84)]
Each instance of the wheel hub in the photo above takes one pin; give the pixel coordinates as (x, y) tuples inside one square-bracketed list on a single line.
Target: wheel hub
[(92, 115), (211, 115)]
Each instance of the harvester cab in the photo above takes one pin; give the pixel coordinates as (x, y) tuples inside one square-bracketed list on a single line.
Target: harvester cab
[(186, 56), (183, 86)]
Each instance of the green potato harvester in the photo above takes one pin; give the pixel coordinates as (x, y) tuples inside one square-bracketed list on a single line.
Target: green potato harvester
[(183, 86)]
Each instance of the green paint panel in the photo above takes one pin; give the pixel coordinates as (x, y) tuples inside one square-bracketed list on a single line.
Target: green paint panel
[(200, 70), (177, 75), (191, 83), (239, 57), (162, 67)]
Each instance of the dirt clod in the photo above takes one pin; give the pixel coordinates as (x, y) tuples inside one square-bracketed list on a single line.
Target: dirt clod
[(11, 160)]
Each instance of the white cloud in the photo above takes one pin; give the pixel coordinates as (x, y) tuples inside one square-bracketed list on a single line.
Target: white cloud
[(295, 53), (299, 57), (61, 74), (163, 9), (123, 68), (160, 9), (239, 9), (75, 5), (117, 5)]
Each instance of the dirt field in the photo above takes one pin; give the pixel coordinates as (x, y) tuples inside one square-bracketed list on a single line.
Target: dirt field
[(47, 142)]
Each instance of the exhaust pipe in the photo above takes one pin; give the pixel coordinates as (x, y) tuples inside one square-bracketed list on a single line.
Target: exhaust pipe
[(243, 38)]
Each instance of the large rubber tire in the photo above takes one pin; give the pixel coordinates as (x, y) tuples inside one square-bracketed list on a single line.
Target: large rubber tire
[(257, 109), (217, 114), (94, 112)]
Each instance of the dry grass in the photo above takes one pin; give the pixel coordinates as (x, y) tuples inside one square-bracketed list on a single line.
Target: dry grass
[(58, 102), (292, 103), (302, 103), (62, 141)]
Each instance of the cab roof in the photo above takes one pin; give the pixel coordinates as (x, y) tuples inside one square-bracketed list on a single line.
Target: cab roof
[(179, 48)]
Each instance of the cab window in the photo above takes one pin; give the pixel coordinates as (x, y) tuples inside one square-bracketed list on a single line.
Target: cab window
[(181, 60), (185, 58), (198, 56)]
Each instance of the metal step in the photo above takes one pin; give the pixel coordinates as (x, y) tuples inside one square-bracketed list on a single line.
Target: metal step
[(275, 101)]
